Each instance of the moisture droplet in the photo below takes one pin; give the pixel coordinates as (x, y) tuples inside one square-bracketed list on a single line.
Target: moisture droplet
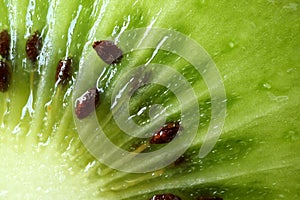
[(267, 85), (108, 51), (291, 70)]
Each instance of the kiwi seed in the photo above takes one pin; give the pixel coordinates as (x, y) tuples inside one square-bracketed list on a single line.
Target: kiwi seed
[(33, 46), (64, 71), (108, 51), (4, 43), (5, 75), (86, 103), (167, 196), (166, 134)]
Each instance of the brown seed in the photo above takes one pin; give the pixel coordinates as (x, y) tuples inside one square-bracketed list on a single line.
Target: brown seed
[(5, 75), (166, 134), (33, 46), (4, 44), (64, 71), (165, 197), (140, 78), (108, 51), (87, 103), (209, 198)]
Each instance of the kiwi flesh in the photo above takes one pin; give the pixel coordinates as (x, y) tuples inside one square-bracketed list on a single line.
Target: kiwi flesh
[(255, 46)]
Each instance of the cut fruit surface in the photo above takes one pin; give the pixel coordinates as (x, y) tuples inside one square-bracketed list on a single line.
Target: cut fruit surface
[(255, 47)]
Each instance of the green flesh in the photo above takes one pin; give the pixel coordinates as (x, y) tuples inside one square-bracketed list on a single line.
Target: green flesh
[(256, 48)]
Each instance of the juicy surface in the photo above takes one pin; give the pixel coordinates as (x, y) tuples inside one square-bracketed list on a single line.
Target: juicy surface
[(255, 46)]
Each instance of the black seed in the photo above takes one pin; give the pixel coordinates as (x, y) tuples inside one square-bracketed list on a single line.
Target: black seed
[(165, 197), (33, 46), (108, 51), (64, 71), (5, 75), (209, 198), (180, 160), (87, 103), (166, 134), (4, 44)]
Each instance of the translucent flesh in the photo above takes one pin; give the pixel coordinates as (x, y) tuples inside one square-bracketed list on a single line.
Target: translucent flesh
[(255, 46)]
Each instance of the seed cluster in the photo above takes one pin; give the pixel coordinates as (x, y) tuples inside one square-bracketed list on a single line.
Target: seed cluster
[(33, 46), (167, 196), (64, 71), (87, 102)]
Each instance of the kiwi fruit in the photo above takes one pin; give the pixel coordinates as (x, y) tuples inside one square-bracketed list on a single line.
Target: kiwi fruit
[(47, 47)]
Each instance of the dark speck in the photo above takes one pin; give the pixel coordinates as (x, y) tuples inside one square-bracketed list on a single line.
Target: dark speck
[(87, 103), (5, 75), (64, 71), (4, 44), (182, 159), (209, 198), (108, 51), (166, 134), (165, 197), (33, 46)]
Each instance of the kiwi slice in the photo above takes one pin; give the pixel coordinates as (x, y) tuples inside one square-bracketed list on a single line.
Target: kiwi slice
[(47, 49)]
